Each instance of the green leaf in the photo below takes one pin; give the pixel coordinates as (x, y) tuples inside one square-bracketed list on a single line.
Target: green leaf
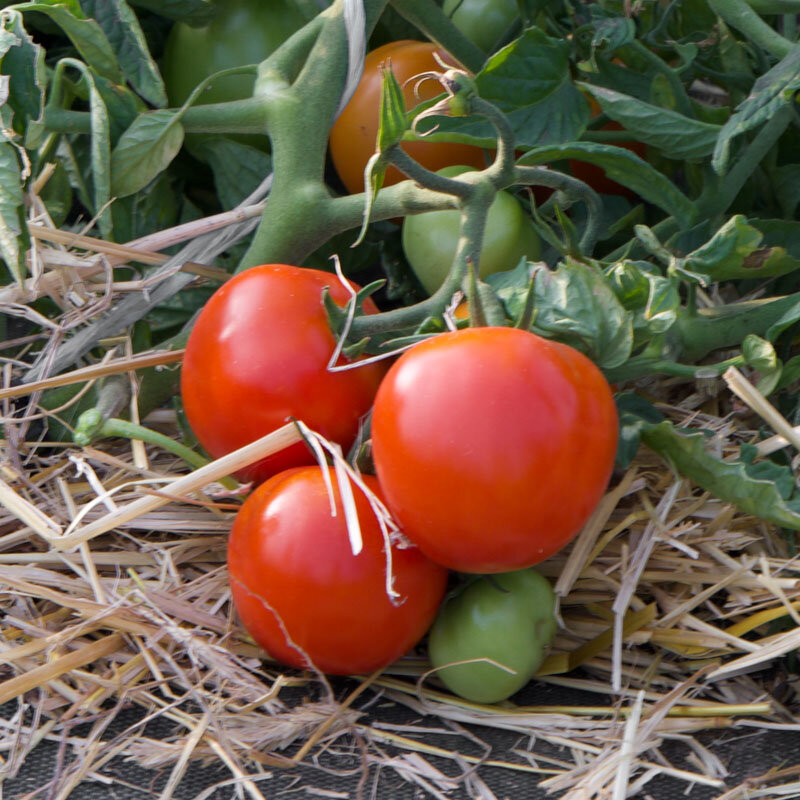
[(786, 183), (85, 34), (194, 12), (761, 356), (770, 93), (576, 306), (123, 31), (730, 481), (735, 251), (57, 195), (13, 231), (529, 81), (22, 61), (144, 150), (155, 208), (653, 299), (122, 105), (238, 169), (392, 115), (611, 30), (676, 135), (623, 167), (99, 147)]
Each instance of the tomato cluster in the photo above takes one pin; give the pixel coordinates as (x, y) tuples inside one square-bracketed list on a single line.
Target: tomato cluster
[(491, 446)]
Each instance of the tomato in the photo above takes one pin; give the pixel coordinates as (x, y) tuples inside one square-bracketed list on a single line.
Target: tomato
[(242, 32), (355, 132), (303, 595), (430, 239), (508, 618), (493, 446), (482, 21), (257, 355), (595, 176)]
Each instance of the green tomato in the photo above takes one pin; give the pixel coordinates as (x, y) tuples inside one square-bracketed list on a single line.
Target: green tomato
[(430, 239), (242, 32), (482, 21), (508, 618)]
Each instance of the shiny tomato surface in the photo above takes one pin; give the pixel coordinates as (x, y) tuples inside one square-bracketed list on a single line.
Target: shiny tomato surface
[(354, 134), (493, 446), (257, 356), (303, 595)]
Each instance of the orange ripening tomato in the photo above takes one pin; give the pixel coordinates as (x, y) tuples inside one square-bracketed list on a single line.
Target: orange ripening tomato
[(354, 134), (302, 594), (595, 176)]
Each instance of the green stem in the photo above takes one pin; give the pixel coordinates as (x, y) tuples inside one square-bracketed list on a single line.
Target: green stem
[(738, 14), (683, 103), (639, 366), (436, 25), (573, 188)]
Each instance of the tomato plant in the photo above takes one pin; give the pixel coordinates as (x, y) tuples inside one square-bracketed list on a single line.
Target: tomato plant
[(303, 595), (258, 354), (493, 446), (354, 134), (508, 618), (242, 32), (482, 21), (430, 239), (595, 176)]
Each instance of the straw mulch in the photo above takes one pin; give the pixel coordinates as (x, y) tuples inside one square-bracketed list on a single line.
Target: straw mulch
[(676, 610)]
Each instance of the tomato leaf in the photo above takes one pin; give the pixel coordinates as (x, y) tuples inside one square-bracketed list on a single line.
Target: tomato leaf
[(736, 251), (771, 92), (99, 147), (144, 150), (125, 35), (238, 168), (623, 167), (194, 12), (752, 487), (13, 231), (574, 305), (676, 135), (529, 81), (611, 30), (22, 65), (87, 36)]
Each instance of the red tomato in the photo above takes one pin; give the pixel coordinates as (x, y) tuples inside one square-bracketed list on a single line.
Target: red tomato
[(303, 595), (354, 134), (257, 355), (595, 176), (493, 446)]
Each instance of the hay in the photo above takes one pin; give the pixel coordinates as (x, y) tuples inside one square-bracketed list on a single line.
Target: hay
[(114, 593)]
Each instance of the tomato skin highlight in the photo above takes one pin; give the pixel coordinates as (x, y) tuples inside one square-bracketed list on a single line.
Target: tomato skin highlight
[(354, 134), (288, 556), (257, 356), (508, 618), (493, 446)]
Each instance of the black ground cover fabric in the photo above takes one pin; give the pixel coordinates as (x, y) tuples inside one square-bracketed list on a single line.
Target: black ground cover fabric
[(746, 752)]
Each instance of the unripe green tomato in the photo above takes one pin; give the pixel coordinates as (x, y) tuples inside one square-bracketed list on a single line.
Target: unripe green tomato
[(242, 32), (430, 239), (508, 617), (482, 21)]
